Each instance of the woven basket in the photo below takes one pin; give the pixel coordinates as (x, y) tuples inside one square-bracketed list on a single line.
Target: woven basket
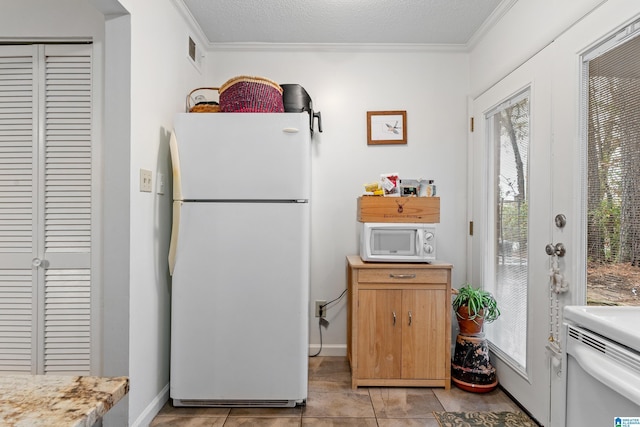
[(248, 94), (201, 104)]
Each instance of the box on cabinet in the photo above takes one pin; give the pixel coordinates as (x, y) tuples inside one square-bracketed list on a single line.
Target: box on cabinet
[(399, 209)]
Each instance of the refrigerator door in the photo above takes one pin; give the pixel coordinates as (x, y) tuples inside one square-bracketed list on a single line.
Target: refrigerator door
[(254, 156), (175, 234), (240, 305)]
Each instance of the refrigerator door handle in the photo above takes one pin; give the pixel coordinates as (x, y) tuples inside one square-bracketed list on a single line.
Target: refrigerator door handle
[(175, 163), (175, 232)]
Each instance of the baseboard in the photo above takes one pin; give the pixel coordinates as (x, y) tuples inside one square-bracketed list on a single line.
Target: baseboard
[(329, 350), (152, 409)]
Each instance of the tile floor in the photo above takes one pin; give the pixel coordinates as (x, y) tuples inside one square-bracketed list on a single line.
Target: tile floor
[(332, 402)]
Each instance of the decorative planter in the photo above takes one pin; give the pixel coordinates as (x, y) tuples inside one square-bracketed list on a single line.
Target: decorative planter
[(469, 326), (471, 369)]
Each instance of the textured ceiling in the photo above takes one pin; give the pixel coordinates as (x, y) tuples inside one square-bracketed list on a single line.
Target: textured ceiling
[(341, 21)]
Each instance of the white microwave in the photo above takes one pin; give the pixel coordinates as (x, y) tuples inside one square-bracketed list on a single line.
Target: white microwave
[(397, 242)]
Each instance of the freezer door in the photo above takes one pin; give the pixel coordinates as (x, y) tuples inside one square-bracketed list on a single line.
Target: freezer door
[(240, 302), (241, 156)]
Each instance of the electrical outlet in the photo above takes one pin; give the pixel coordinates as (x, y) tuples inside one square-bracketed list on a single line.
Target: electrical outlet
[(321, 309), (145, 180)]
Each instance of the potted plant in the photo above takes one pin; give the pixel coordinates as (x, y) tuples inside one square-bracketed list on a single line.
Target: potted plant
[(471, 369), (474, 307)]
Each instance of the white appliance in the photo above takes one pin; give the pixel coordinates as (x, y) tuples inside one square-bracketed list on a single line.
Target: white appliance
[(397, 242), (239, 259), (602, 366)]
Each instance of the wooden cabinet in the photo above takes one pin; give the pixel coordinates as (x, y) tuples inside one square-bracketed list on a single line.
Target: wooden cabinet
[(399, 324)]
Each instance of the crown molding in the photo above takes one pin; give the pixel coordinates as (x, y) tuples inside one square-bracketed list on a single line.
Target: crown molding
[(336, 47), (490, 22), (197, 33), (209, 46)]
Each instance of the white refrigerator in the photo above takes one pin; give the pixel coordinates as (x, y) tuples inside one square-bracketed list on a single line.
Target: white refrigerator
[(239, 259)]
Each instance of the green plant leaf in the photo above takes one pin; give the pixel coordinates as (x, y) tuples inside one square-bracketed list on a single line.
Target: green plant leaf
[(481, 304)]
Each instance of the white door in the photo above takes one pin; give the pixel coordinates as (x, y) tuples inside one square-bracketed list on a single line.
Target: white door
[(240, 299), (512, 224), (613, 26), (557, 185), (45, 208)]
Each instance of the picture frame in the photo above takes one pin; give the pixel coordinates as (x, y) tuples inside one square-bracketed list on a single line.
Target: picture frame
[(386, 127)]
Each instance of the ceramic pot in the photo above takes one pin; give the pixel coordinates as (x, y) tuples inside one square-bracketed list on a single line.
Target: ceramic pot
[(467, 326), (470, 368)]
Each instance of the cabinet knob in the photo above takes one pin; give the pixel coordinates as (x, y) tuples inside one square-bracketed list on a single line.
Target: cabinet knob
[(394, 318), (410, 318)]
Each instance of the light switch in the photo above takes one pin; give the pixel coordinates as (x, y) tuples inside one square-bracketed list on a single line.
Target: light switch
[(145, 180)]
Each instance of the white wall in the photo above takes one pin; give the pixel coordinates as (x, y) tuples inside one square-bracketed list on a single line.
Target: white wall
[(40, 19), (345, 83), (525, 29), (114, 152), (161, 76)]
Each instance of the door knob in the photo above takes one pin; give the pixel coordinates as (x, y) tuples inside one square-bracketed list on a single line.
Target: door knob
[(38, 262), (561, 220), (558, 249)]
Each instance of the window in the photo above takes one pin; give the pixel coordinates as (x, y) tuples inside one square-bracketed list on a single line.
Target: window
[(613, 173), (508, 127)]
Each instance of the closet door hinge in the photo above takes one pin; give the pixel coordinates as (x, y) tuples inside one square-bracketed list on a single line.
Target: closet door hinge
[(471, 124), (470, 228)]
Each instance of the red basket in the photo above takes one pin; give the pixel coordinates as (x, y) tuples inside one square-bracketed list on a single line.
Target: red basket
[(247, 94)]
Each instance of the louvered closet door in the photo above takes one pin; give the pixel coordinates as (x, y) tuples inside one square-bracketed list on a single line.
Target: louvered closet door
[(48, 276), (66, 155), (18, 225)]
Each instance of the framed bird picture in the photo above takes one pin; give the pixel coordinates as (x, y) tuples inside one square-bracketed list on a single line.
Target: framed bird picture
[(386, 127)]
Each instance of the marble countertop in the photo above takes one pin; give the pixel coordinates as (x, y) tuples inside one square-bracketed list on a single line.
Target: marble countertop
[(53, 401)]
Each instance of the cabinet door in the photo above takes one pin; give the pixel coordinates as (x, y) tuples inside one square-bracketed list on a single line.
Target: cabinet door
[(379, 333), (423, 334)]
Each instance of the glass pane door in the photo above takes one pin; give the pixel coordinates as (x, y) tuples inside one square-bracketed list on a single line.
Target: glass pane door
[(508, 127), (512, 196)]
